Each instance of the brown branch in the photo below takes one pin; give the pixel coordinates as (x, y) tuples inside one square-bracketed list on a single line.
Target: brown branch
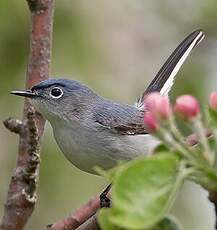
[(79, 217), (21, 196), (90, 224)]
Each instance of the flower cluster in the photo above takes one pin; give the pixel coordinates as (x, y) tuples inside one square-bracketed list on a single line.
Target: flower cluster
[(160, 116), (159, 109)]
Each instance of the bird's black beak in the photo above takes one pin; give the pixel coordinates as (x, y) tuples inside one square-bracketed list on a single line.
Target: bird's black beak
[(24, 93)]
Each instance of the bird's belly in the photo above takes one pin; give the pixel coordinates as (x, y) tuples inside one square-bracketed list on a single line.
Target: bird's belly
[(87, 150)]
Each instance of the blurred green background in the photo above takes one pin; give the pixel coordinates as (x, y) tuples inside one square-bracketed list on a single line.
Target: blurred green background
[(115, 47)]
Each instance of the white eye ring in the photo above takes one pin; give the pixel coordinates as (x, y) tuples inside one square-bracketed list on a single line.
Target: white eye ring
[(56, 92)]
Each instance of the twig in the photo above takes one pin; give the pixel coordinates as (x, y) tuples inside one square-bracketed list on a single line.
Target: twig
[(79, 217), (90, 224), (14, 125), (21, 196)]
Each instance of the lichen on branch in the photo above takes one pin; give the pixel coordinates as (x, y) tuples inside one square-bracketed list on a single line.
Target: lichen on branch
[(21, 195)]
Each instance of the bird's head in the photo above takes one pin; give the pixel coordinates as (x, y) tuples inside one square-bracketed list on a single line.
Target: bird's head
[(59, 98)]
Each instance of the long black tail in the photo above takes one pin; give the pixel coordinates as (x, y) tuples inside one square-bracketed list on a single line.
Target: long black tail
[(164, 79)]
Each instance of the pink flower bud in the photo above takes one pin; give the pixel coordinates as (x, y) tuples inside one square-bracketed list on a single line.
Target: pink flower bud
[(151, 122), (158, 105), (187, 107), (213, 100)]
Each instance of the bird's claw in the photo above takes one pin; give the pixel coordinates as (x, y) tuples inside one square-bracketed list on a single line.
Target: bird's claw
[(105, 202)]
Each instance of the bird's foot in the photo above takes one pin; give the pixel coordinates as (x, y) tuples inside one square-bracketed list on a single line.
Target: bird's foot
[(105, 202)]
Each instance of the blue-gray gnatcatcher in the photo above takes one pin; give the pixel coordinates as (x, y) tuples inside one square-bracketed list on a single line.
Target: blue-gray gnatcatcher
[(93, 131)]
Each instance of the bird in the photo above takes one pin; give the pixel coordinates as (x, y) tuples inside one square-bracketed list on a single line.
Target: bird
[(94, 131)]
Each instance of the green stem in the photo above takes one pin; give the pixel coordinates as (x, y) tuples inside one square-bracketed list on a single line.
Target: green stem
[(215, 139), (182, 174), (178, 135), (166, 137), (207, 153)]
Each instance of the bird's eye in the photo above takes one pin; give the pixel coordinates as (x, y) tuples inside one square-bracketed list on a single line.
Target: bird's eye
[(56, 92)]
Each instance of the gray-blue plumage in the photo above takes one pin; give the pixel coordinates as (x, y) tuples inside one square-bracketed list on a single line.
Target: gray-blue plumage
[(117, 117), (94, 131)]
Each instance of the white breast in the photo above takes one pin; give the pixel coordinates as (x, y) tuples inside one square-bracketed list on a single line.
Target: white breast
[(86, 148)]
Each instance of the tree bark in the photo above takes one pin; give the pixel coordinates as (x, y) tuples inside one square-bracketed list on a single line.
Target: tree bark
[(21, 196), (79, 217), (90, 224)]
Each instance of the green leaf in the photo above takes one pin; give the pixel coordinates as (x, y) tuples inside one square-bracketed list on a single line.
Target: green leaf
[(111, 173), (104, 220), (168, 223), (160, 148), (144, 191)]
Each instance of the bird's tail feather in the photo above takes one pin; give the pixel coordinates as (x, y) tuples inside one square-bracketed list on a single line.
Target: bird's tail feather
[(164, 79)]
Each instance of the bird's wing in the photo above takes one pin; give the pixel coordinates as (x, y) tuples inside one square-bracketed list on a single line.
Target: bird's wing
[(164, 79), (119, 118)]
